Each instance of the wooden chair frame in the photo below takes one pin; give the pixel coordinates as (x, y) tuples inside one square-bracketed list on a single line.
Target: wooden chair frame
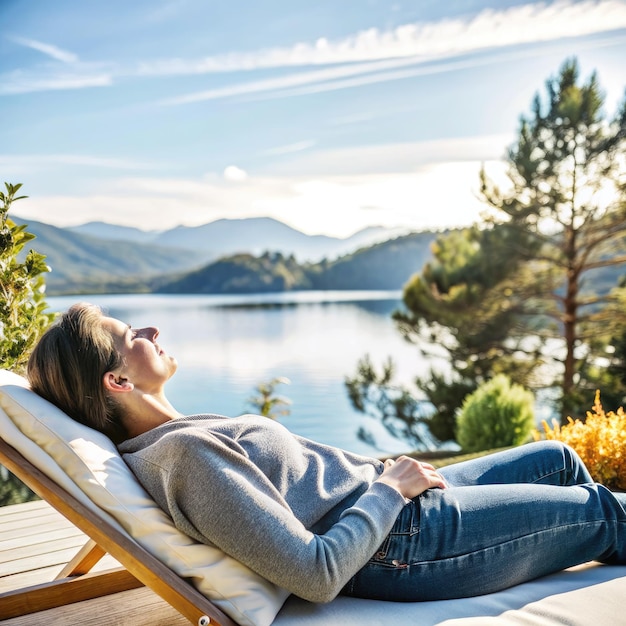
[(76, 583)]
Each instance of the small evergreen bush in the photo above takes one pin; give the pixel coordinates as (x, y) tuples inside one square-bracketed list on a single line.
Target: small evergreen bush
[(498, 414)]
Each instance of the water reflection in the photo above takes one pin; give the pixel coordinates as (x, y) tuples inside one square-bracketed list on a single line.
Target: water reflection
[(226, 345)]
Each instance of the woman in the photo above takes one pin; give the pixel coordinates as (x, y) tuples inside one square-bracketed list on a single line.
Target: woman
[(314, 519)]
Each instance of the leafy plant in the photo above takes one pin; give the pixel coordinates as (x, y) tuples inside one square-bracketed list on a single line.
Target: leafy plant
[(400, 412), (22, 288), (600, 442), (13, 490), (496, 415), (266, 403)]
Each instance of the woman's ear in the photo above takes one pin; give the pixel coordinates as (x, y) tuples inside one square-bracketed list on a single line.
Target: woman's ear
[(117, 383)]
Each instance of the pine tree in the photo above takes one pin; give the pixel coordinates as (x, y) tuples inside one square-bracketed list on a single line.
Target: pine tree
[(568, 197)]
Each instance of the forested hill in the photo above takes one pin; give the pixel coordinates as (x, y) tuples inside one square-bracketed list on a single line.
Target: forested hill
[(102, 258), (386, 265), (82, 263), (85, 264)]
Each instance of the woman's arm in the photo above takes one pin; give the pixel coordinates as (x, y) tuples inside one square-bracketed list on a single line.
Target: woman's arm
[(248, 522), (217, 495)]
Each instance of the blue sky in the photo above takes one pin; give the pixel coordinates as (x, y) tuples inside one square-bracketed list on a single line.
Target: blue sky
[(330, 115)]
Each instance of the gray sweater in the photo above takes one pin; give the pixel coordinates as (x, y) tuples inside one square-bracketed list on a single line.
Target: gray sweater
[(301, 514)]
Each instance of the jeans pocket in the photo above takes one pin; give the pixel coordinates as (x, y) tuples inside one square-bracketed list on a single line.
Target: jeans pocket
[(397, 548), (380, 555)]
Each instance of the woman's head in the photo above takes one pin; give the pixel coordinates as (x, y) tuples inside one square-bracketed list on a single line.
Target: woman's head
[(68, 364)]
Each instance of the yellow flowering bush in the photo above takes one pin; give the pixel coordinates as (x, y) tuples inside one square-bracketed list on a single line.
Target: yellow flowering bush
[(600, 441)]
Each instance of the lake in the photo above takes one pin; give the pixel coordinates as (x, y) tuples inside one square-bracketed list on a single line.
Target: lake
[(226, 345)]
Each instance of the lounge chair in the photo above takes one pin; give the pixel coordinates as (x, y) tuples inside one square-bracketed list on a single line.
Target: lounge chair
[(80, 473)]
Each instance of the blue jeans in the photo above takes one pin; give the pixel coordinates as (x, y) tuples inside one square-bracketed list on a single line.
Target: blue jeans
[(504, 519)]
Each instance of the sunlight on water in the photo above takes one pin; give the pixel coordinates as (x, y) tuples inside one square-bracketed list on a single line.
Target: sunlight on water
[(226, 345)]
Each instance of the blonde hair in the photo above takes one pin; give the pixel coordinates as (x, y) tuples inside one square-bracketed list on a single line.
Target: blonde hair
[(67, 366)]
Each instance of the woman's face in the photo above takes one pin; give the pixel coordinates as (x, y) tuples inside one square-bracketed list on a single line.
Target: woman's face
[(145, 365)]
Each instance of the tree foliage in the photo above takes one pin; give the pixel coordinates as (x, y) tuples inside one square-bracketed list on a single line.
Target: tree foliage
[(461, 304), (266, 402), (22, 288), (13, 490), (374, 393), (466, 303)]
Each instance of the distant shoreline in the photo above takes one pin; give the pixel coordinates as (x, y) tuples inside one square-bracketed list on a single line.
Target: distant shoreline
[(310, 296)]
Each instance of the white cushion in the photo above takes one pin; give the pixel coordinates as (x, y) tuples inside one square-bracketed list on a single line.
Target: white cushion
[(586, 595), (86, 463)]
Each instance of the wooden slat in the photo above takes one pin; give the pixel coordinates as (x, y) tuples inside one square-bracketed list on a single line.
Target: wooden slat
[(30, 578), (25, 509), (139, 607), (46, 536), (84, 560), (71, 544), (31, 525), (53, 555), (59, 592), (139, 562)]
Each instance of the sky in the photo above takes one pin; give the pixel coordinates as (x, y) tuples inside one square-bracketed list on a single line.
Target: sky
[(329, 115)]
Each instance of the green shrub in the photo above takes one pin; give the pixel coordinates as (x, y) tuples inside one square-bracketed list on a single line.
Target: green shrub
[(496, 415), (22, 288)]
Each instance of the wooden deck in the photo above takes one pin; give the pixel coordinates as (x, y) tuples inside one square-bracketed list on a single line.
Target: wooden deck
[(36, 542)]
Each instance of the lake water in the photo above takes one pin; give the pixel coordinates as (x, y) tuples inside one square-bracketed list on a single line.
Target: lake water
[(226, 345)]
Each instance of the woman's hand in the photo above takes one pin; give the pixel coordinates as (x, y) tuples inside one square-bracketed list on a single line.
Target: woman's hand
[(410, 477)]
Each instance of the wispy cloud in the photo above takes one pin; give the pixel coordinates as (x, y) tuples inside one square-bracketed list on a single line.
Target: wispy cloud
[(21, 82), (396, 157), (410, 50), (28, 161), (299, 146), (367, 56), (62, 70), (356, 75), (529, 23), (48, 49)]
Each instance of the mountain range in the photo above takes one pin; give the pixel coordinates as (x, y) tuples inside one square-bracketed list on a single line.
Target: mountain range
[(254, 235), (100, 258)]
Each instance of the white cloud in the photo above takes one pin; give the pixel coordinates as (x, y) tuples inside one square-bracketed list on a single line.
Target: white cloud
[(423, 199), (525, 24), (333, 205), (429, 184), (436, 194), (58, 54), (395, 157), (234, 174)]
